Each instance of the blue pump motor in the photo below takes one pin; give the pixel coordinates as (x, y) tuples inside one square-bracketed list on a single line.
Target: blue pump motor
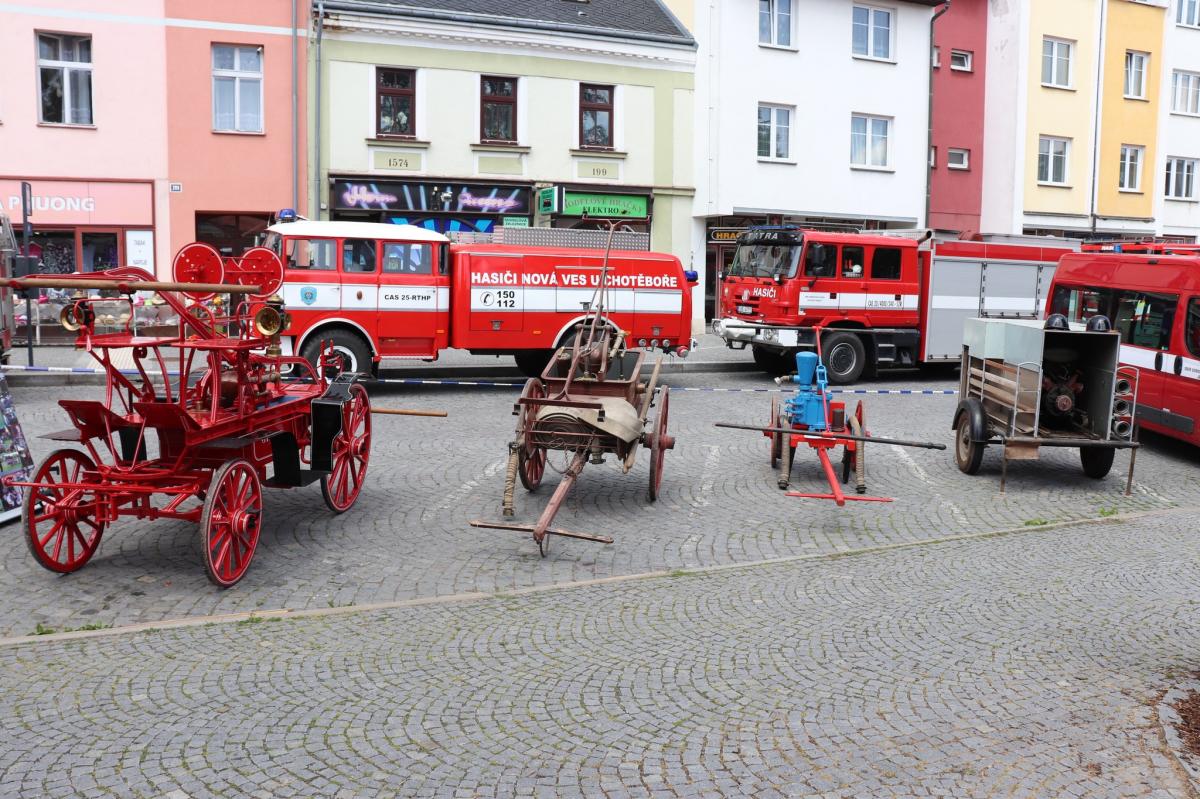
[(808, 405)]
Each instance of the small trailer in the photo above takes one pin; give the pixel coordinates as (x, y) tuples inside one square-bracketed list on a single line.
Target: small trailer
[(1027, 384)]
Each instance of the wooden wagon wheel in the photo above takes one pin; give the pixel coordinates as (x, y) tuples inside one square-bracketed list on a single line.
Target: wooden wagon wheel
[(351, 453), (776, 438), (660, 442), (61, 525), (856, 460), (230, 523), (531, 460)]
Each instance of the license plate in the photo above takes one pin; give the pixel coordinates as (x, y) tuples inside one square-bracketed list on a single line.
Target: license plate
[(745, 309)]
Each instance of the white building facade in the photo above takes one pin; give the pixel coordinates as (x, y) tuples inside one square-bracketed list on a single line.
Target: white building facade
[(1177, 192), (814, 112)]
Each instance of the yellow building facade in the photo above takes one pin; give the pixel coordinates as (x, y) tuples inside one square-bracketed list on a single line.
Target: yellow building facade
[(1130, 97), (1061, 75)]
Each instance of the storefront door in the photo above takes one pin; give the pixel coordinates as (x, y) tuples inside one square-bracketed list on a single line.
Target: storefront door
[(718, 260)]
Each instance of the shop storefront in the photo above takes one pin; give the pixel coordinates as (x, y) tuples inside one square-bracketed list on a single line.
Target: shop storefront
[(86, 225), (721, 235), (586, 208), (444, 206)]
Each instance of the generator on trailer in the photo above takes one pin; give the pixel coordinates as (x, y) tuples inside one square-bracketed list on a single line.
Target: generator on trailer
[(881, 300), (1028, 384)]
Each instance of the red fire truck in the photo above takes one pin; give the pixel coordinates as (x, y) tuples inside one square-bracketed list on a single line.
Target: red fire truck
[(1153, 300), (883, 301), (380, 291)]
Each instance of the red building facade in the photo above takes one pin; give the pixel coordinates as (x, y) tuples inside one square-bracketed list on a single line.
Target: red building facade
[(956, 157)]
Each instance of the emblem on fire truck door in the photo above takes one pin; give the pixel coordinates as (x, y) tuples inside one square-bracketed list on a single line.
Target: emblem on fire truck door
[(308, 295)]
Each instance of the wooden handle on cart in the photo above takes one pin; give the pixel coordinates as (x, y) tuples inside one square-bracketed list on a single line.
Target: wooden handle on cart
[(123, 285), (406, 412), (816, 436)]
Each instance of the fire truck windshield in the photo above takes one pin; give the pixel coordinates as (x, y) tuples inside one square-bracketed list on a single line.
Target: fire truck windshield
[(765, 260)]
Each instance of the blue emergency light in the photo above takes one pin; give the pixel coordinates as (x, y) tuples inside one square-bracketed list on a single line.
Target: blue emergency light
[(287, 215)]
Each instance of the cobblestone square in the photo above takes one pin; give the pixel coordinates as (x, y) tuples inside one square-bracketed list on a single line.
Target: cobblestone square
[(731, 642)]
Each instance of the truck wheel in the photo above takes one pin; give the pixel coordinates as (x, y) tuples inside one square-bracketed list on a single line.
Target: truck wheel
[(845, 357), (1096, 460), (968, 453), (532, 362), (772, 362), (355, 354)]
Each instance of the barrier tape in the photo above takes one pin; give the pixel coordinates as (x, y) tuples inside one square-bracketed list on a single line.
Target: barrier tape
[(422, 381)]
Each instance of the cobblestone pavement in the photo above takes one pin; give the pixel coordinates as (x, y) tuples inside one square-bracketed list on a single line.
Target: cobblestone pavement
[(408, 537), (1020, 665)]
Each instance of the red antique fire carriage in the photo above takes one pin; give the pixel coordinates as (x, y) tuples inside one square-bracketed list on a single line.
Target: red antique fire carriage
[(377, 291), (216, 426), (883, 301)]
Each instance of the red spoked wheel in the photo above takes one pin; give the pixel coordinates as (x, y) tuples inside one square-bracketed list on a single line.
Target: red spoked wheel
[(198, 263), (231, 522), (351, 453), (531, 460), (258, 266), (776, 438), (660, 442), (61, 524)]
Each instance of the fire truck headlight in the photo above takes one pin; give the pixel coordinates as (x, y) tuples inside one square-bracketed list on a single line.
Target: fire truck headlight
[(666, 343), (641, 342), (653, 342), (682, 352)]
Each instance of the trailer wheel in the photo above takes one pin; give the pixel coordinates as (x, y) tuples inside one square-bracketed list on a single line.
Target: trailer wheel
[(776, 438), (968, 453), (1097, 461), (62, 525), (354, 352), (230, 523), (772, 362), (351, 453), (532, 362), (844, 356)]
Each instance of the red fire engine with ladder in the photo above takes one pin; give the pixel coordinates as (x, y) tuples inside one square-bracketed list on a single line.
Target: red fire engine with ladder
[(380, 291), (881, 300)]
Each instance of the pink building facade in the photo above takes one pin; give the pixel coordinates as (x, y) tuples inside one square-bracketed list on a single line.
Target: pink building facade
[(956, 160), (126, 123)]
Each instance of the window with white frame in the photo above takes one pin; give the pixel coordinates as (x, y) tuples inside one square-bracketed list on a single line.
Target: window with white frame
[(958, 158), (870, 138), (65, 79), (962, 60), (1185, 92), (935, 59), (774, 132), (872, 32), (1188, 13), (1135, 74), (775, 22), (237, 88), (1181, 178), (1056, 62), (933, 157), (1130, 177), (1052, 160)]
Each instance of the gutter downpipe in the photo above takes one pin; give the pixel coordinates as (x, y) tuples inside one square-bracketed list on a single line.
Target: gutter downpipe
[(295, 113), (315, 211), (929, 111), (1099, 97)]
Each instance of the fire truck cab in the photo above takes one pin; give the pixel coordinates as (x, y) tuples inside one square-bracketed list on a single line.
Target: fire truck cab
[(1153, 300), (380, 291)]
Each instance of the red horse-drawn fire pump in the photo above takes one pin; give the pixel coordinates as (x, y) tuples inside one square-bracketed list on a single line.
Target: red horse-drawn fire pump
[(196, 421)]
